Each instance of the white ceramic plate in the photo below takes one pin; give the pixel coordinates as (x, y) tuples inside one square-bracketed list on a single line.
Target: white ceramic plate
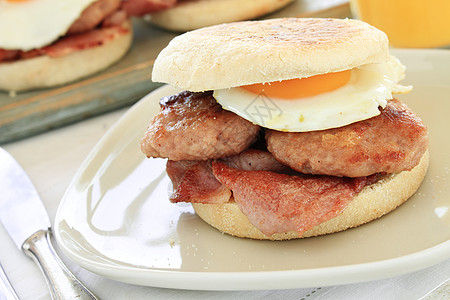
[(115, 218)]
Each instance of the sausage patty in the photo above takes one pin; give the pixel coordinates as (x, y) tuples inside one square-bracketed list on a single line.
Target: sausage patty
[(193, 126), (391, 142)]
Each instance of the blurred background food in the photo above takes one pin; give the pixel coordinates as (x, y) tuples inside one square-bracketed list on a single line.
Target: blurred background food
[(28, 113), (46, 43), (194, 14)]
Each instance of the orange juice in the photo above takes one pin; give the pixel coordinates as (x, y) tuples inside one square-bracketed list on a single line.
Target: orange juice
[(408, 23)]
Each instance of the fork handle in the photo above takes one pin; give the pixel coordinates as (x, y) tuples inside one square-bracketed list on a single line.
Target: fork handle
[(61, 282)]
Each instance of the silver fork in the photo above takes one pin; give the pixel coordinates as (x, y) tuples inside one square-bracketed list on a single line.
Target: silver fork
[(7, 292)]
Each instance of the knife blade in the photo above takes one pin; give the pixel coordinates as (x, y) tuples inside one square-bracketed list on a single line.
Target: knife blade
[(25, 218)]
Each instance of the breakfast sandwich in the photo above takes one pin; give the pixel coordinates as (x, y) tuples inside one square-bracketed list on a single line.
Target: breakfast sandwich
[(286, 128), (44, 43)]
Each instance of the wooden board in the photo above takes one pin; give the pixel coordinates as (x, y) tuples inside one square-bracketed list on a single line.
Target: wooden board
[(30, 113), (122, 84)]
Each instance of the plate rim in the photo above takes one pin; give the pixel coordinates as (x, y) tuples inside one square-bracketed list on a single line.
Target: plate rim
[(263, 280), (249, 280)]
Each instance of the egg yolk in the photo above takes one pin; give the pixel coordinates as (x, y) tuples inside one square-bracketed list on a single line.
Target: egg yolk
[(301, 87)]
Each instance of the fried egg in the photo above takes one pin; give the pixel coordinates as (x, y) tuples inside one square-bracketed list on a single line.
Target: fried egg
[(318, 102), (31, 24)]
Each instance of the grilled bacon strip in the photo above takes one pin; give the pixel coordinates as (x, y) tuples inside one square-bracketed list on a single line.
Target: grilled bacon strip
[(194, 182), (273, 197), (278, 203)]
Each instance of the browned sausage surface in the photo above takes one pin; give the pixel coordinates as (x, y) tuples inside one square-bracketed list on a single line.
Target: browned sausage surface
[(193, 126), (391, 142)]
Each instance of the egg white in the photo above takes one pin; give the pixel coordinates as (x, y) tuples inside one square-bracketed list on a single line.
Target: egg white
[(32, 24), (369, 88)]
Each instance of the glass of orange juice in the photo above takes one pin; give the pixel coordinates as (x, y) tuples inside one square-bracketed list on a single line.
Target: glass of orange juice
[(408, 23)]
